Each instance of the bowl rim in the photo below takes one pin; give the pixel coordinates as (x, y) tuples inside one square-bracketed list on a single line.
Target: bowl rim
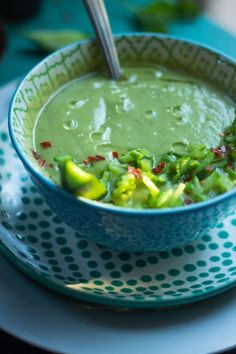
[(48, 183)]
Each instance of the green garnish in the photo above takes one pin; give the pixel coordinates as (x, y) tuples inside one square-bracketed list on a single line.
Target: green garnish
[(49, 41), (157, 16), (138, 179), (79, 182)]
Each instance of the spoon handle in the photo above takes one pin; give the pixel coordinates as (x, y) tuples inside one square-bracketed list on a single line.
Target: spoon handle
[(99, 18)]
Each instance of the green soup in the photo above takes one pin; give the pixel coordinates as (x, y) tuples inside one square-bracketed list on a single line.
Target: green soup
[(149, 108)]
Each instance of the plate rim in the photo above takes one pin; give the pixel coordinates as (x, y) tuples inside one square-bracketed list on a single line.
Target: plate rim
[(102, 299)]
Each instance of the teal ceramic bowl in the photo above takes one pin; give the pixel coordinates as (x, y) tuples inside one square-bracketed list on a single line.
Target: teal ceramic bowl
[(119, 228)]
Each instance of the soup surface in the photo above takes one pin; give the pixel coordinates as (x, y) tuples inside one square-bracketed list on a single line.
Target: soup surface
[(149, 108)]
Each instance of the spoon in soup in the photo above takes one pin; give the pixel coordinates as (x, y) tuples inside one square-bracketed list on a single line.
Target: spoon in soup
[(100, 21)]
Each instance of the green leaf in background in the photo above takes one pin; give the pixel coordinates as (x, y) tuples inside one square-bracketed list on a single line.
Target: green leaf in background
[(157, 16), (53, 40)]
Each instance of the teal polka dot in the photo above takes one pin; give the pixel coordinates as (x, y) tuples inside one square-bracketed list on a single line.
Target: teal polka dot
[(203, 275), (227, 262), (192, 278), (44, 224), (92, 264), (206, 238), (219, 226), (183, 290), (174, 272), (178, 282), (47, 212), (126, 268), (22, 216), (57, 220), (25, 200), (207, 282), (4, 137), (213, 246), (228, 244), (165, 285), (233, 222), (106, 255), (98, 282), (126, 290), (141, 263), (38, 201), (189, 249), (146, 278), (131, 282), (201, 263), (73, 266), (226, 254), (66, 250), (61, 240), (201, 246), (46, 235), (195, 286), (214, 269), (8, 226), (219, 275), (110, 265), (214, 259), (189, 267), (46, 245), (117, 283), (153, 287), (33, 214), (140, 288), (223, 234), (82, 244)]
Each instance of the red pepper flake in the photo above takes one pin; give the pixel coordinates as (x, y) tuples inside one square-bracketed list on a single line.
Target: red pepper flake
[(46, 144), (217, 152), (188, 178), (159, 167), (42, 163), (229, 165), (91, 159), (36, 155), (188, 202), (115, 154), (135, 171)]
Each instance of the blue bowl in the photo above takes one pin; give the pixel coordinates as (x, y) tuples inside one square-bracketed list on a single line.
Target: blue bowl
[(123, 229)]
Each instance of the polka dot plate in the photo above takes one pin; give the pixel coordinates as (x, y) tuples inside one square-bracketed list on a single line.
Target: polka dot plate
[(38, 242)]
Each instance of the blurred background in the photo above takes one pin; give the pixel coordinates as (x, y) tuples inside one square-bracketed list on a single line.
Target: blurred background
[(30, 29)]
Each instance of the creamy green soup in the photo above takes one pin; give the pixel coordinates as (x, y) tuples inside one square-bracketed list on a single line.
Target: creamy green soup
[(152, 108), (153, 139)]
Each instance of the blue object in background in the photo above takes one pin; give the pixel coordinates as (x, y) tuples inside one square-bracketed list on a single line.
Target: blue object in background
[(21, 55)]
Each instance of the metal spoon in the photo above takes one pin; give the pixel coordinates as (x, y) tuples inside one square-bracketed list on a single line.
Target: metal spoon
[(99, 18)]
